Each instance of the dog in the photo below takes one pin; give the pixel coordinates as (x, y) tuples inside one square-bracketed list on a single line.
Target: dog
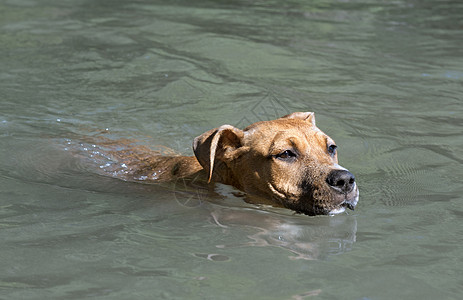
[(288, 162)]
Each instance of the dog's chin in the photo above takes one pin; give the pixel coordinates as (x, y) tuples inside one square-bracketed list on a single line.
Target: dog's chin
[(337, 211), (341, 208)]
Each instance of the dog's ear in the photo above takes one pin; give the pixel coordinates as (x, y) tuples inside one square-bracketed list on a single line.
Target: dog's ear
[(217, 144), (305, 116)]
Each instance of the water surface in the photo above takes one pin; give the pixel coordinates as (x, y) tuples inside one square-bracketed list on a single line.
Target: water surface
[(384, 78)]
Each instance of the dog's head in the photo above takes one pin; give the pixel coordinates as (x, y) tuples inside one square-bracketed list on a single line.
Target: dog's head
[(288, 161)]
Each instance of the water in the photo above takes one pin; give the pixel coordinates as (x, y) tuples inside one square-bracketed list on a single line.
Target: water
[(384, 78)]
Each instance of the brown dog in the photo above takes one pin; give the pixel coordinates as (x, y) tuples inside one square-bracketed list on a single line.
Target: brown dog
[(287, 162)]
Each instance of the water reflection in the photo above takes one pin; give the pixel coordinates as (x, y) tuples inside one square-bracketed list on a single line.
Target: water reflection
[(305, 237)]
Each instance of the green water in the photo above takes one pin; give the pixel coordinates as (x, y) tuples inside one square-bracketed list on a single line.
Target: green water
[(384, 78)]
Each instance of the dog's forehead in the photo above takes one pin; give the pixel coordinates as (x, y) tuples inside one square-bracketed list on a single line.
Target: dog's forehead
[(282, 130), (280, 124)]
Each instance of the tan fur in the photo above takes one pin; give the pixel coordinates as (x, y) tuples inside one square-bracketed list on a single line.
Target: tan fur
[(253, 161)]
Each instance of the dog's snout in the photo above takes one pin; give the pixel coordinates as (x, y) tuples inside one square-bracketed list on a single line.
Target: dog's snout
[(341, 180)]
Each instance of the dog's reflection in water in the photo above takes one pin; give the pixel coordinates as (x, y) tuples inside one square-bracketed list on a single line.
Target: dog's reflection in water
[(307, 238)]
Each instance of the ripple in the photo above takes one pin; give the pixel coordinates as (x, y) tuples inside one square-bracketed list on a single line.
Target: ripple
[(53, 162), (213, 256)]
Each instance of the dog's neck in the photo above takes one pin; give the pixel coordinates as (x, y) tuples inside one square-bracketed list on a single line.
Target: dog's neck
[(166, 168)]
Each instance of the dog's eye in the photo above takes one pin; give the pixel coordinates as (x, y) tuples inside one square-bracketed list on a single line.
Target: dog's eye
[(332, 149), (287, 154)]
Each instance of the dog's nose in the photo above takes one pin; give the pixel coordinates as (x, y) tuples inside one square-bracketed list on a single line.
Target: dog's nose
[(341, 180)]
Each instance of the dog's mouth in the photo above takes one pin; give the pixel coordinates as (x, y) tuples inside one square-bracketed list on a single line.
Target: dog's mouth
[(350, 201), (341, 208), (348, 205), (351, 198)]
